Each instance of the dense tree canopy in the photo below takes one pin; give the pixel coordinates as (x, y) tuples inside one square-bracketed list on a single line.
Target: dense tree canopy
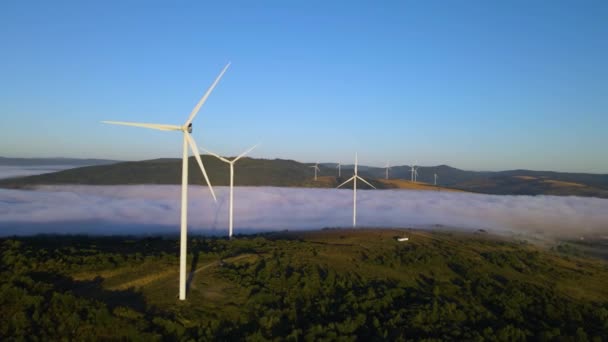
[(315, 286)]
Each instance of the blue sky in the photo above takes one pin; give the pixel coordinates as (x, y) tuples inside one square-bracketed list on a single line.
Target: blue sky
[(481, 85)]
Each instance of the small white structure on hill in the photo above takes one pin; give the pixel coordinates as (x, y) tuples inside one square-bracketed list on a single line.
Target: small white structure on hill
[(401, 239)]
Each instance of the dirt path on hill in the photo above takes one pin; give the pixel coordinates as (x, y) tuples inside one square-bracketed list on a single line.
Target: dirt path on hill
[(215, 263), (146, 280)]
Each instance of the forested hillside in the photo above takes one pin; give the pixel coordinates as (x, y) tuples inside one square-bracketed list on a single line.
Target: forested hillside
[(351, 284)]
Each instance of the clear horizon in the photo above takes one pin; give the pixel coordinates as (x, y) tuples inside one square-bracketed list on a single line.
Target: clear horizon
[(473, 85)]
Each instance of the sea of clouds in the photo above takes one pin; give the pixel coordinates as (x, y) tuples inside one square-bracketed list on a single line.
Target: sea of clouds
[(153, 209)]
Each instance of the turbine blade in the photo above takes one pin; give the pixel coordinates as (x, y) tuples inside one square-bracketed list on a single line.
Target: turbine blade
[(244, 153), (366, 182), (216, 155), (351, 178), (197, 155), (145, 125), (204, 98)]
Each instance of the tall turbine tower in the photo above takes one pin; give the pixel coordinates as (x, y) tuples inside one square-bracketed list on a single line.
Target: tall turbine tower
[(339, 167), (413, 169), (186, 129), (435, 179), (354, 179), (388, 167), (231, 163), (316, 167)]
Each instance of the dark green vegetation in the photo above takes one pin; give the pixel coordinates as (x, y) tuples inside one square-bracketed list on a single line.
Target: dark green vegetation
[(594, 246), (289, 173), (349, 284)]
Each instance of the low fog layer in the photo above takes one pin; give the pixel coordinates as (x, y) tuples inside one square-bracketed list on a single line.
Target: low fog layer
[(151, 209), (9, 171)]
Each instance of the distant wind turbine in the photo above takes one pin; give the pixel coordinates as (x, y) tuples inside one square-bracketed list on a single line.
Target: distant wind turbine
[(435, 179), (413, 170), (339, 167), (354, 179), (231, 163), (388, 167), (316, 167), (186, 129)]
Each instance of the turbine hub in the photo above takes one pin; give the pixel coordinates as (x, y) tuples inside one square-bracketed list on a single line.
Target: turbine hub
[(189, 128)]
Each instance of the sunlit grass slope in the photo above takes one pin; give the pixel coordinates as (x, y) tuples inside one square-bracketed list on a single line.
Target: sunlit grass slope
[(406, 184)]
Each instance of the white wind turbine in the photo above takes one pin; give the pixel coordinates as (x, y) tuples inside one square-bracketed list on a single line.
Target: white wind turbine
[(316, 167), (339, 167), (387, 167), (186, 129), (413, 170), (231, 163), (435, 179), (354, 179)]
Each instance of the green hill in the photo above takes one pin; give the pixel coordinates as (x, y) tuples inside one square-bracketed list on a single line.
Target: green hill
[(248, 172), (324, 285)]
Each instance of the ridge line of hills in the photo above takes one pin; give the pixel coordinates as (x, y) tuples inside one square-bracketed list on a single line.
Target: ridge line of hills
[(10, 161), (290, 173)]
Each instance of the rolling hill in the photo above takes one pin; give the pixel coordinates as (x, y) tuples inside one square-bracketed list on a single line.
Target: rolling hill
[(290, 173), (249, 172), (523, 183)]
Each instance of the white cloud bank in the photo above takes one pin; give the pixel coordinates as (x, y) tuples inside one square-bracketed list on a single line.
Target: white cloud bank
[(156, 208)]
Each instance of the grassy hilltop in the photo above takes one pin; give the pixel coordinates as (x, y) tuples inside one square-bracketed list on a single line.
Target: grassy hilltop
[(324, 285)]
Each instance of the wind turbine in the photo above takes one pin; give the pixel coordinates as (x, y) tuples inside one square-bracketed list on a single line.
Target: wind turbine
[(316, 167), (339, 167), (231, 163), (186, 129), (388, 167), (435, 179), (413, 170), (354, 179)]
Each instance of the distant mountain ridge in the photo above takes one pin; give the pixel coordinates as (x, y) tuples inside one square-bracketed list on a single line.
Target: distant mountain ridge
[(6, 161), (290, 173)]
